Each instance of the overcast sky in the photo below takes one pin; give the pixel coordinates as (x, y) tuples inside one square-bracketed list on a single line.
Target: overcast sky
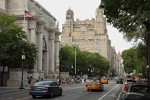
[(83, 9)]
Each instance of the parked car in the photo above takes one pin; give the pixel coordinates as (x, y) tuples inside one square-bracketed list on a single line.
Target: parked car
[(137, 92), (93, 84), (127, 84), (45, 88), (142, 81)]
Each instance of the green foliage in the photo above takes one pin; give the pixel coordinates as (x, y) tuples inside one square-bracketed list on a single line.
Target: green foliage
[(128, 16), (135, 58), (85, 61), (129, 60), (13, 43), (132, 17)]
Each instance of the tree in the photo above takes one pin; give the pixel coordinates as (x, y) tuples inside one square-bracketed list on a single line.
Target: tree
[(13, 43), (141, 59), (85, 61), (135, 58), (129, 60), (132, 17), (66, 58)]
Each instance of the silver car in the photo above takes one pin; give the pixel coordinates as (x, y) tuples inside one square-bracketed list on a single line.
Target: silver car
[(137, 92)]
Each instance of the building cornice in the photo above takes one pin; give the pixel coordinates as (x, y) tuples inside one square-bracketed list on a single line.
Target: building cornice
[(37, 4)]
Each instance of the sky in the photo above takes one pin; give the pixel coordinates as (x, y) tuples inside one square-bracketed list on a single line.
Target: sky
[(83, 9)]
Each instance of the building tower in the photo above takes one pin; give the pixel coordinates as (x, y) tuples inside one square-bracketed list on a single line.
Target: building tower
[(100, 22), (90, 34), (69, 21)]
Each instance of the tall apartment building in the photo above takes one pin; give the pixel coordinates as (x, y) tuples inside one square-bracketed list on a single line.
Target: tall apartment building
[(42, 31), (89, 35)]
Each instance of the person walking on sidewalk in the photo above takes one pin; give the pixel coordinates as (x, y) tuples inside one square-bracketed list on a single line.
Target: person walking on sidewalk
[(29, 80)]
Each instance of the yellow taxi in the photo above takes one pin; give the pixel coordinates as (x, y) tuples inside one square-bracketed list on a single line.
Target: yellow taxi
[(104, 80), (94, 85)]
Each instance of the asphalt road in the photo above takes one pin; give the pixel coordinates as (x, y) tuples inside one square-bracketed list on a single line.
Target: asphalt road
[(72, 92)]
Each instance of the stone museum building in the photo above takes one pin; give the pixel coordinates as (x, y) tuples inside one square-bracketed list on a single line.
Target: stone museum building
[(43, 31)]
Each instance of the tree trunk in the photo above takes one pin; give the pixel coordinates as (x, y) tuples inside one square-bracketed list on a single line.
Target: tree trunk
[(147, 39), (147, 24), (148, 63)]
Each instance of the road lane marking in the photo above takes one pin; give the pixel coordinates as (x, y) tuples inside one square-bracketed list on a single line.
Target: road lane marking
[(7, 98), (107, 92), (120, 94), (73, 88), (24, 98), (112, 95)]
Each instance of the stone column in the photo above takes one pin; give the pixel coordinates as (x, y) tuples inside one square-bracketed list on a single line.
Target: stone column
[(3, 4), (32, 35), (57, 34), (40, 30), (52, 37), (40, 50), (46, 61), (33, 25)]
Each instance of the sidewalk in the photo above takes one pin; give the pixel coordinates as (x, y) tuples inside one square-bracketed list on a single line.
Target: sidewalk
[(11, 89), (15, 89)]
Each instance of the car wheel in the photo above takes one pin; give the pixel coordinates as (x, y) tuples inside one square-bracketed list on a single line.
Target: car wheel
[(52, 94), (60, 94), (102, 89), (33, 96)]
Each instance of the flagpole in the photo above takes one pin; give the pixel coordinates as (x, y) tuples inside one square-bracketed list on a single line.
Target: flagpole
[(24, 20)]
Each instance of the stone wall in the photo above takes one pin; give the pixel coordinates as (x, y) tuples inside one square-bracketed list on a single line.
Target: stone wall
[(15, 77)]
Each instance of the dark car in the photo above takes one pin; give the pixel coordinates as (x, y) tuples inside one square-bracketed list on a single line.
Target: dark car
[(45, 88), (119, 81), (137, 92)]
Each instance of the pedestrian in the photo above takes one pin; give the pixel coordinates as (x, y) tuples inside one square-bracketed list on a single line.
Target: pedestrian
[(38, 79), (42, 79), (29, 80)]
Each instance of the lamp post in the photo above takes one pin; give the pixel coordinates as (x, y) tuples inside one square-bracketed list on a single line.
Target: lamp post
[(72, 71), (23, 58), (75, 72), (59, 76), (118, 66)]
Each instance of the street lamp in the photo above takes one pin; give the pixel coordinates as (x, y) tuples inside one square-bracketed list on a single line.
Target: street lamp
[(23, 58), (75, 60), (72, 71), (118, 66), (59, 76)]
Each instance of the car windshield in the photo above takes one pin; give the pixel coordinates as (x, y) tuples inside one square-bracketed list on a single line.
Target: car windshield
[(92, 80), (42, 83), (131, 81), (104, 78)]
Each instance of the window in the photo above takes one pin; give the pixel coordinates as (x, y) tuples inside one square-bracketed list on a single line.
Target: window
[(54, 84)]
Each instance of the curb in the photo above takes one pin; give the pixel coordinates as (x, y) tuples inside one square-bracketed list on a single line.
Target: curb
[(13, 91), (17, 90)]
